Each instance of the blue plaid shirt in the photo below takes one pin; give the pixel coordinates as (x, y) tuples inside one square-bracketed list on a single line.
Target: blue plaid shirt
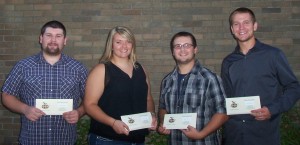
[(201, 92), (33, 78)]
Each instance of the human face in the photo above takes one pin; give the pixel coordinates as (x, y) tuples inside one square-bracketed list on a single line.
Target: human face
[(185, 52), (52, 41), (243, 27), (121, 46)]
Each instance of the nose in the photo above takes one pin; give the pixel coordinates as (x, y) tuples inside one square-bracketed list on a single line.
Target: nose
[(182, 48), (53, 39), (124, 44), (241, 26)]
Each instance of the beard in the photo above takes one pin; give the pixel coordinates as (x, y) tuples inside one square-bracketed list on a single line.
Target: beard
[(52, 49), (186, 61)]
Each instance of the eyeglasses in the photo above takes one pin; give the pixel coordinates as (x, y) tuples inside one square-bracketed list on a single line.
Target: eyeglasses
[(184, 46)]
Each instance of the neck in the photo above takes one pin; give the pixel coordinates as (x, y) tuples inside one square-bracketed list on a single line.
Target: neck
[(121, 62), (124, 64), (246, 46), (186, 68), (51, 59)]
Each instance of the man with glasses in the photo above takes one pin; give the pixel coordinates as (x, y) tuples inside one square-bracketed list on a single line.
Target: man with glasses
[(191, 88)]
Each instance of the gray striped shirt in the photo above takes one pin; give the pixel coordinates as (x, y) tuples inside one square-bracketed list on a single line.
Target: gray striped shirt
[(201, 92)]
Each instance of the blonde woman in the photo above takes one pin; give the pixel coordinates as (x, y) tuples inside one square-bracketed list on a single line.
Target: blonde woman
[(117, 86)]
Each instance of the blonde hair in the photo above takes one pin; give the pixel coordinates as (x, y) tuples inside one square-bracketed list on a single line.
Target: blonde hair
[(124, 32)]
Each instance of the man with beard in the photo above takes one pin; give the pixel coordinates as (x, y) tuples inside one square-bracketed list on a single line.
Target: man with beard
[(47, 75), (191, 88), (253, 69)]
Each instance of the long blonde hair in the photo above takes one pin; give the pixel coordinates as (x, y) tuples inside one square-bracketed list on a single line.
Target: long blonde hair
[(124, 32)]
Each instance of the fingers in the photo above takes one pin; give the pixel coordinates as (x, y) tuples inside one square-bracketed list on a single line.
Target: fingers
[(163, 130), (188, 129), (153, 124), (126, 132), (120, 127), (257, 114), (261, 114), (184, 131), (33, 114), (71, 117)]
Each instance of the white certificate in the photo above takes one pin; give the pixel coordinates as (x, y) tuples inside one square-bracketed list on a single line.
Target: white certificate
[(54, 106), (242, 105), (137, 121), (180, 121)]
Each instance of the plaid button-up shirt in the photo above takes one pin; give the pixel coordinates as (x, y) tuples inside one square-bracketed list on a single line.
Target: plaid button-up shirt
[(33, 78), (201, 92)]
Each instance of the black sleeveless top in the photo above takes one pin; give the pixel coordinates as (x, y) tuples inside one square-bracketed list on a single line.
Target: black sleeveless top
[(122, 96)]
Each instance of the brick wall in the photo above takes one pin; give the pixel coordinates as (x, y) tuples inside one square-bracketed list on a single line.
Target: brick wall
[(152, 21)]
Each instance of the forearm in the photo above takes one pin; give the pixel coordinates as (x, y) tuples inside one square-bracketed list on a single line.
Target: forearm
[(97, 113), (285, 102), (214, 124), (150, 101), (13, 103), (161, 114), (291, 88), (150, 105), (80, 110)]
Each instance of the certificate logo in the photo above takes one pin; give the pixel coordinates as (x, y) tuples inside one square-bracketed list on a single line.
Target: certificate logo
[(171, 120), (233, 104), (45, 105), (130, 120)]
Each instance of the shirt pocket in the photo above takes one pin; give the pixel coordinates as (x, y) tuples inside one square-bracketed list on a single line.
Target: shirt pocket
[(68, 87), (194, 97), (33, 86)]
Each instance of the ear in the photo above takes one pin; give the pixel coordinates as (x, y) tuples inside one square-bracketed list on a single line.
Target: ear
[(195, 50), (231, 29), (65, 42), (255, 26), (40, 39)]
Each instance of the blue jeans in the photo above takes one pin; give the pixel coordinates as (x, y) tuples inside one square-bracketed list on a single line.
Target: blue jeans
[(98, 140)]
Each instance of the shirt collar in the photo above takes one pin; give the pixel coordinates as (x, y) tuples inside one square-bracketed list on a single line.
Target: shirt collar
[(194, 70), (40, 58), (256, 47)]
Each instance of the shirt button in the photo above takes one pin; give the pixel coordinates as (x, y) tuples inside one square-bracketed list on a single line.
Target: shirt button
[(244, 120), (50, 129)]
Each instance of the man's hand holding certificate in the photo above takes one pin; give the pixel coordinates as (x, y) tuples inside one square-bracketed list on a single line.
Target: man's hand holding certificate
[(180, 121), (54, 106), (242, 105)]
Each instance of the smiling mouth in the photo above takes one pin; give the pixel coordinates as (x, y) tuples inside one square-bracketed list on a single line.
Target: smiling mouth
[(52, 45), (242, 33)]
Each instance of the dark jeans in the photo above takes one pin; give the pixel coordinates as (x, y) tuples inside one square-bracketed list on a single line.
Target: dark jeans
[(98, 140), (21, 144)]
